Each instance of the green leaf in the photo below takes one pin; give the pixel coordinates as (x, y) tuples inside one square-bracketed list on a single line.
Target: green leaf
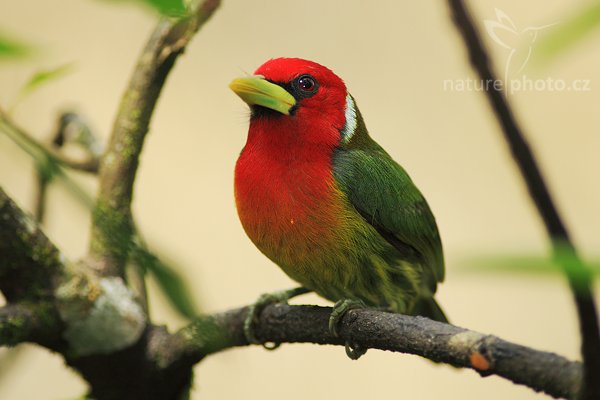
[(527, 264), (170, 282), (513, 263), (170, 8), (580, 273), (42, 77), (11, 49), (569, 33)]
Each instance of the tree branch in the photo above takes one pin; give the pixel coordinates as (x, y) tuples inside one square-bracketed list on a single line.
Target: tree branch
[(23, 138), (30, 264), (112, 227), (282, 323), (37, 323), (70, 128), (92, 314), (93, 321), (30, 269), (577, 274)]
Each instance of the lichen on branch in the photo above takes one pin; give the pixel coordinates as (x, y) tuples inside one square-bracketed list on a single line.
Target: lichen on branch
[(29, 263)]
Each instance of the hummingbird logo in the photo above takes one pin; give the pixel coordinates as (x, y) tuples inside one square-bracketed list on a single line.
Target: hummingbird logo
[(519, 42)]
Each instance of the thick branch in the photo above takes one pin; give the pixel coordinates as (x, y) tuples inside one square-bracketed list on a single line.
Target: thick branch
[(487, 354), (577, 274), (58, 300), (112, 229), (37, 323), (29, 263)]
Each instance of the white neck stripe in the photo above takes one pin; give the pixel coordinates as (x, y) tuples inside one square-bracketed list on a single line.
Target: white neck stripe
[(350, 125)]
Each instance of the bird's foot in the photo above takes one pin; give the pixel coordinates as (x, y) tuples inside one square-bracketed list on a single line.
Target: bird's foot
[(339, 310), (353, 350), (255, 309)]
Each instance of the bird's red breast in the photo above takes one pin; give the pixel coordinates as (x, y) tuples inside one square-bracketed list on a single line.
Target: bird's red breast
[(285, 191)]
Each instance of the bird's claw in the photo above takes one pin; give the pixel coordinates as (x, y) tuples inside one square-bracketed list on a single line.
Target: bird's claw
[(339, 310), (255, 309), (353, 351)]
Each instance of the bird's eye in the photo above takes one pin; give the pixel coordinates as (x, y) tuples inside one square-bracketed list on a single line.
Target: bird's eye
[(306, 85)]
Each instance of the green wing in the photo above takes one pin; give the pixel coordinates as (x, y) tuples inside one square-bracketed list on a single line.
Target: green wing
[(383, 193)]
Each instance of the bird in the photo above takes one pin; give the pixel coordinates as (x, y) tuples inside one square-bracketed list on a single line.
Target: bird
[(326, 203)]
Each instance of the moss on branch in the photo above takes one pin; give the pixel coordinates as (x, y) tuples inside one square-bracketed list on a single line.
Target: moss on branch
[(119, 164), (25, 322), (29, 263)]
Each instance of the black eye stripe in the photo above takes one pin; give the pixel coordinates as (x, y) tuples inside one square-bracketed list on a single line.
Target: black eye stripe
[(295, 89)]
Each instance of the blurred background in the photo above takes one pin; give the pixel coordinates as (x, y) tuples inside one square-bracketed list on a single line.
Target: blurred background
[(395, 57)]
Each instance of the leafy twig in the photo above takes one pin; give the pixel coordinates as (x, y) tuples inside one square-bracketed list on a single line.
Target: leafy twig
[(563, 248)]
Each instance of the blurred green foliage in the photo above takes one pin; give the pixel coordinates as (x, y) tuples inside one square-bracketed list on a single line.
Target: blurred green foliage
[(169, 281), (168, 8), (563, 260), (570, 32), (40, 78), (10, 48), (520, 263), (171, 8)]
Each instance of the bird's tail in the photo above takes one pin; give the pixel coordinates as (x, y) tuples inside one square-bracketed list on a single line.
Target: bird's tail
[(428, 307)]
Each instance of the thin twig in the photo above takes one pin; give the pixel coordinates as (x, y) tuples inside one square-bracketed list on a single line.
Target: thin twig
[(42, 178), (39, 201), (70, 128), (111, 226), (23, 138), (486, 354), (578, 276)]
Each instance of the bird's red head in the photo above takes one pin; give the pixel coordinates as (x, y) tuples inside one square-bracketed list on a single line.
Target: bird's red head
[(316, 89), (295, 98)]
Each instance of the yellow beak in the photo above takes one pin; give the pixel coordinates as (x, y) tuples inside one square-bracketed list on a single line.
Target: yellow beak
[(256, 90)]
